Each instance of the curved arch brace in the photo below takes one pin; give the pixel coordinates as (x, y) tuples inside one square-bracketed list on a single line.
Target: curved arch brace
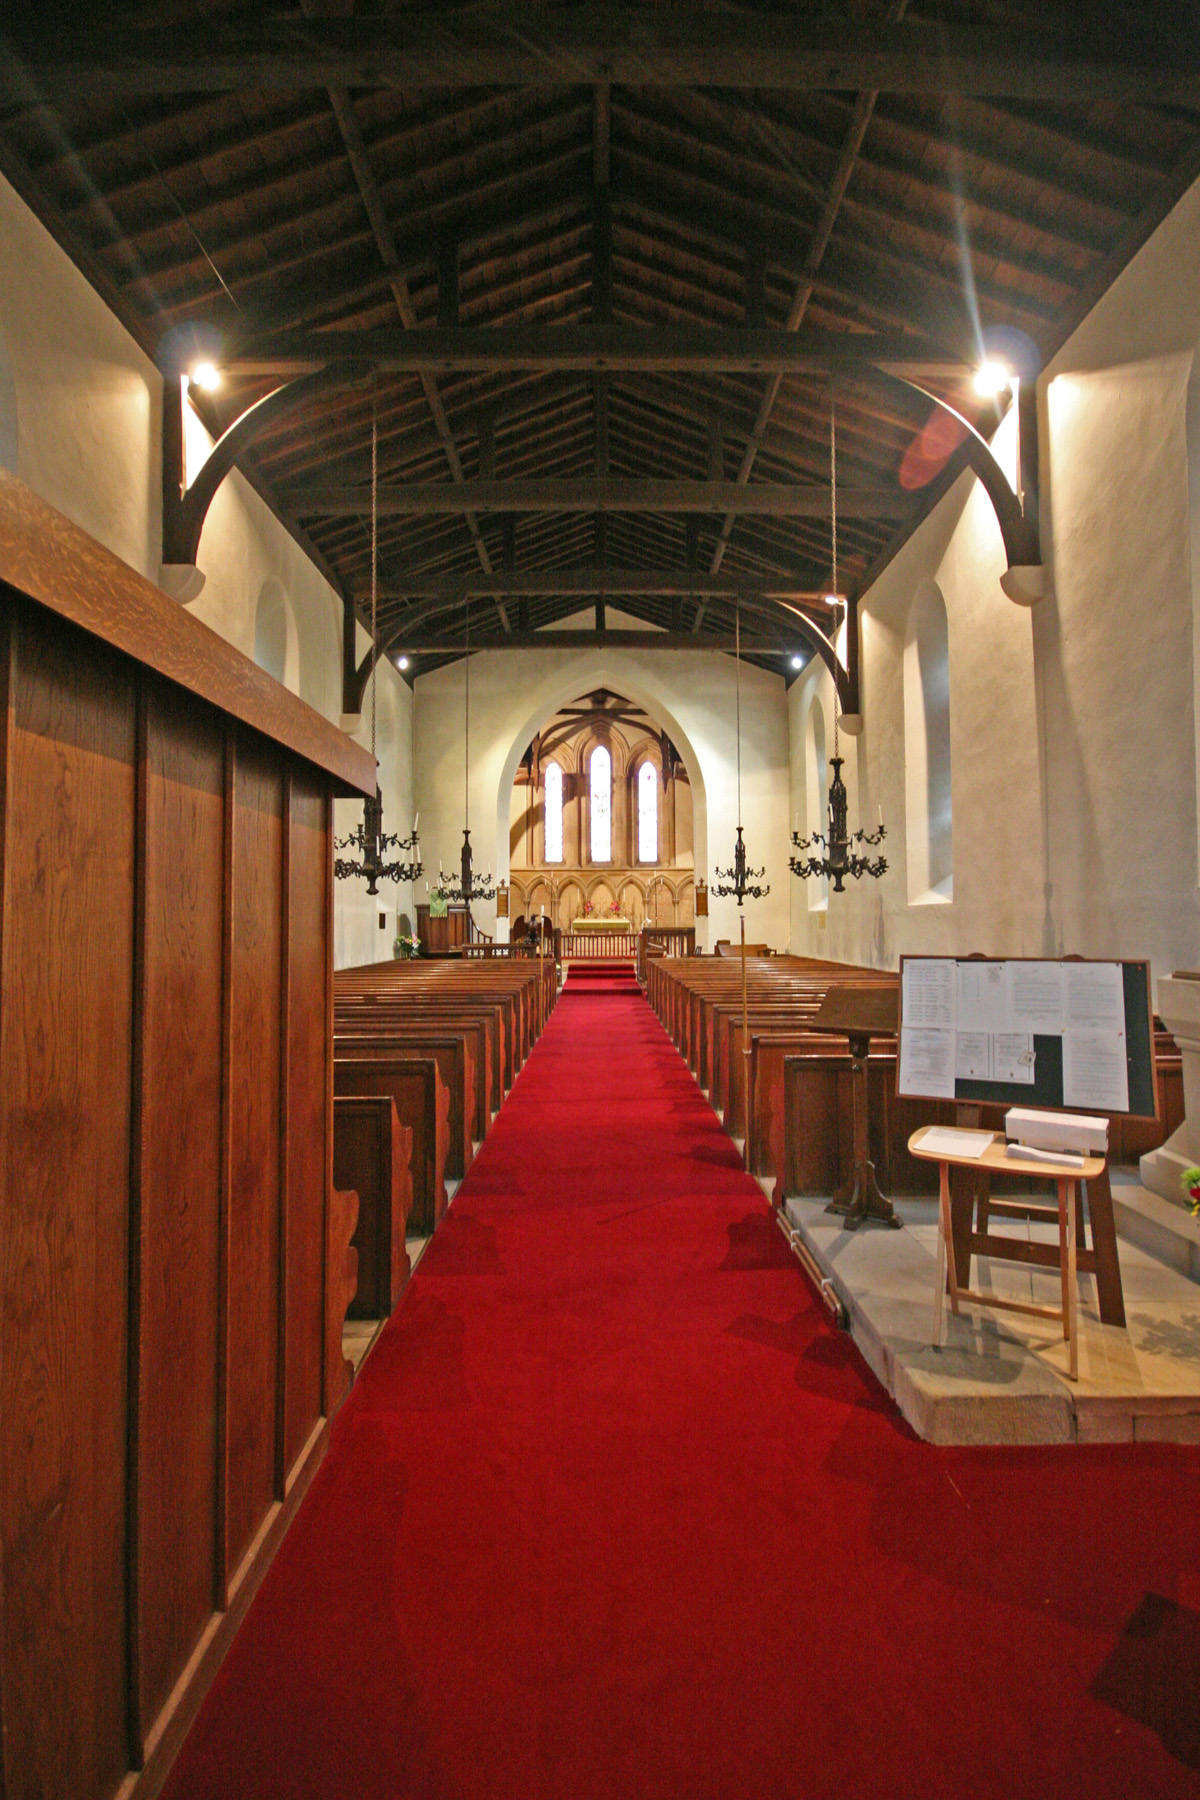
[(1022, 547), (183, 521), (845, 674)]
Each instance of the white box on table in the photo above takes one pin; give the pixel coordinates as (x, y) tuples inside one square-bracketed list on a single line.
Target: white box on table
[(1056, 1131)]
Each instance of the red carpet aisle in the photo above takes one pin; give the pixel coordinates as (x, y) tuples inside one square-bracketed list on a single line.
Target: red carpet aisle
[(611, 1513)]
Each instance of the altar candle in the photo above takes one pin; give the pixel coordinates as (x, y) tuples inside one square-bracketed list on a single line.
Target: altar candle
[(416, 822)]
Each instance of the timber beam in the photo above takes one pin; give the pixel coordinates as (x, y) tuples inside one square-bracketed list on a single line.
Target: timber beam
[(644, 46), (612, 583), (678, 349), (567, 495), (554, 639)]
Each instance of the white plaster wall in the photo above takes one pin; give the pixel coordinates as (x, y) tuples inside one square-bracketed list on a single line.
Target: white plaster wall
[(88, 401), (87, 407), (691, 693), (1073, 738)]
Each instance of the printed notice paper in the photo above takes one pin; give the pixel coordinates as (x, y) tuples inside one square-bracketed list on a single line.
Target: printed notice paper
[(1012, 1057), (1095, 1070), (927, 1060), (984, 997), (947, 1140), (972, 1056), (929, 992), (1037, 997), (1095, 998)]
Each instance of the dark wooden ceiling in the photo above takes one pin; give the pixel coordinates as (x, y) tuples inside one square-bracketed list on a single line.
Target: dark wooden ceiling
[(244, 173)]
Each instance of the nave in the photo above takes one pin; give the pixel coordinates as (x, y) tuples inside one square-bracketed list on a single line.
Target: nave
[(612, 1511)]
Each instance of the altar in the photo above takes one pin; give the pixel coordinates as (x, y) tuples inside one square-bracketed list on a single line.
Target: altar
[(608, 927)]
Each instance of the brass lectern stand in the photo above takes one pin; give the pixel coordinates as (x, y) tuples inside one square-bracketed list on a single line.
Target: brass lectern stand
[(861, 1013)]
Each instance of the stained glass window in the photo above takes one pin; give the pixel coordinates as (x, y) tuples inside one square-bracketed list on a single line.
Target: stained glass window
[(647, 813), (601, 786), (553, 790)]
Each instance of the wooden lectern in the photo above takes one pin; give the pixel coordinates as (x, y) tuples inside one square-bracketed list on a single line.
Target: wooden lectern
[(861, 1013)]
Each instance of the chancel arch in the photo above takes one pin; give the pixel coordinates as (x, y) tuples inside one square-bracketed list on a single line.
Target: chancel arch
[(626, 803), (928, 802)]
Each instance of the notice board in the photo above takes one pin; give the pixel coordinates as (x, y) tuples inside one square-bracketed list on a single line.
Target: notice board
[(1028, 1032)]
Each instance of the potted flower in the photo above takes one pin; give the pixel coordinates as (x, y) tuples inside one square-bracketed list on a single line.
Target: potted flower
[(1189, 1181), (406, 945)]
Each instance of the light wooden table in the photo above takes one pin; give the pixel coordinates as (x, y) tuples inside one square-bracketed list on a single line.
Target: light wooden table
[(995, 1159)]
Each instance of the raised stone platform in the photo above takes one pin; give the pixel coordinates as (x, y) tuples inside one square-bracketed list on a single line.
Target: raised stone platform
[(1001, 1378)]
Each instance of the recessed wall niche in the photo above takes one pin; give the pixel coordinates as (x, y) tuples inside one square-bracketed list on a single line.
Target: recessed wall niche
[(928, 801)]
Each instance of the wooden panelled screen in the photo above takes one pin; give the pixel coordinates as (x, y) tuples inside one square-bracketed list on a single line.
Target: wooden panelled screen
[(167, 1365)]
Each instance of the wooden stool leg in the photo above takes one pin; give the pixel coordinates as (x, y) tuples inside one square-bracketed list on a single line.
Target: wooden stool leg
[(1104, 1247), (952, 1260), (944, 1255), (1072, 1281), (1066, 1233)]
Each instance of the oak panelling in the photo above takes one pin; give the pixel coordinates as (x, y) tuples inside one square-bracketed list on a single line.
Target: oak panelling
[(161, 1416), (54, 561), (179, 1111), (308, 953), (254, 1199), (66, 1013)]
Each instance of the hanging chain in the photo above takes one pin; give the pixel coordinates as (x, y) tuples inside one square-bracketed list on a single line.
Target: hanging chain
[(374, 555), (833, 518), (737, 663), (467, 717)]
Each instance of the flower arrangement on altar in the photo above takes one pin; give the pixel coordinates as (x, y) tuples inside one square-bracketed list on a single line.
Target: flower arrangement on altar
[(406, 946), (614, 911), (587, 911), (1190, 1183)]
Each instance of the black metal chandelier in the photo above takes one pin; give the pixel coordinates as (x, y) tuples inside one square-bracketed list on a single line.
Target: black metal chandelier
[(840, 853), (740, 881), (369, 839), (469, 886)]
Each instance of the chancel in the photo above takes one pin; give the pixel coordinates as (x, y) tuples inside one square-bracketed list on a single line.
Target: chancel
[(599, 901)]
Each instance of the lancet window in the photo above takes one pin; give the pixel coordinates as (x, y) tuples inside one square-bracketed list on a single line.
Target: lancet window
[(553, 815), (600, 770), (647, 813)]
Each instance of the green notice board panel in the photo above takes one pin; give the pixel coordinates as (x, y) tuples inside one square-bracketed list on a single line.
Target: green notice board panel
[(1026, 1032)]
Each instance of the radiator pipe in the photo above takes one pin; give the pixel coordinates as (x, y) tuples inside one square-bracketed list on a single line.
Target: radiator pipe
[(824, 1286)]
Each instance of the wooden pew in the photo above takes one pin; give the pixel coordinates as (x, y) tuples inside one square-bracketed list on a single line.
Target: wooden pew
[(451, 1048), (372, 1153), (422, 1103)]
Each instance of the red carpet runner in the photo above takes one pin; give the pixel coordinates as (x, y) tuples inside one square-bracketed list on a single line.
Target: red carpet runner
[(612, 1513)]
